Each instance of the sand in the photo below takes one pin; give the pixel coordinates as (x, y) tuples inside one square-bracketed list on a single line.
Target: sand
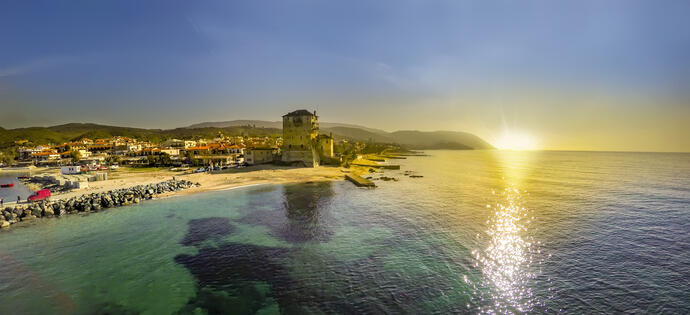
[(261, 174)]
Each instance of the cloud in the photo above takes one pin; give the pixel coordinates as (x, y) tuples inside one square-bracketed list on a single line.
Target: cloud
[(35, 65)]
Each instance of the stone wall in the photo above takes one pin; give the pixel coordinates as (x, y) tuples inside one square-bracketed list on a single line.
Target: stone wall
[(299, 137), (89, 203)]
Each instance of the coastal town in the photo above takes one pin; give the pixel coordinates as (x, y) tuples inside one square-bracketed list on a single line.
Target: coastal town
[(300, 145), (300, 142), (91, 174)]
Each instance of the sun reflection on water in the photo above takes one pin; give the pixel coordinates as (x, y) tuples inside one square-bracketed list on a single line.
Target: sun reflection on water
[(507, 261)]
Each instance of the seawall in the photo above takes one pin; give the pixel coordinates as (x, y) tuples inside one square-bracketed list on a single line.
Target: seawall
[(89, 203)]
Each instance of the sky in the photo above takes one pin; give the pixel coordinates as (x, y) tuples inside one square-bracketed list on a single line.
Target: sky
[(572, 75)]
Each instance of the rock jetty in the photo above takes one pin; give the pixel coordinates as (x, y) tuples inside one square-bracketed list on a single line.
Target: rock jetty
[(89, 202)]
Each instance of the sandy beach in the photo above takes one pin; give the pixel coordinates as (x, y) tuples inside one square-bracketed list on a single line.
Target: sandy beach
[(261, 174), (126, 177)]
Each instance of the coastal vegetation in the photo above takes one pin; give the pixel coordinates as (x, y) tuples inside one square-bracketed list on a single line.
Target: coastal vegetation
[(407, 139), (75, 131), (8, 155)]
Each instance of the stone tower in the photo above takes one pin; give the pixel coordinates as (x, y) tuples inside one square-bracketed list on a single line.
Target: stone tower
[(300, 137)]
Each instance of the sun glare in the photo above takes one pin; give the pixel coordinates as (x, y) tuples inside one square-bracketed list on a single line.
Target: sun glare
[(516, 141)]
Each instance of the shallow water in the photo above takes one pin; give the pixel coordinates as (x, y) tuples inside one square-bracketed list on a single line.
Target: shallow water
[(481, 232)]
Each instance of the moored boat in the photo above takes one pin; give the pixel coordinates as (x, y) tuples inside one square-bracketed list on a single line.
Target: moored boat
[(7, 185)]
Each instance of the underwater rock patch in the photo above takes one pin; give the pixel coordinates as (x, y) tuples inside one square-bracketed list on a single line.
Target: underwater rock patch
[(200, 230)]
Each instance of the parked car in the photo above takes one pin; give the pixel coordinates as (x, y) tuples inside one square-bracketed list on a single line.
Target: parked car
[(200, 170), (42, 194), (114, 167)]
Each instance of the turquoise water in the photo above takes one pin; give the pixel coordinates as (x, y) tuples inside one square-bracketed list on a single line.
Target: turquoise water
[(481, 232)]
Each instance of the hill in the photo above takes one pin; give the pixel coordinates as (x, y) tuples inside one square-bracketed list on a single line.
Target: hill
[(276, 124), (440, 140), (69, 132), (416, 139), (233, 123), (407, 138), (359, 134)]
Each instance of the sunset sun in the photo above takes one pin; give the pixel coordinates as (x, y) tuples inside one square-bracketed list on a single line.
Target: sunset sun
[(512, 140)]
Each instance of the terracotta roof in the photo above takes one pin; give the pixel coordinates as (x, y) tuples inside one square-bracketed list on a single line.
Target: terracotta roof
[(198, 148), (42, 153), (299, 112)]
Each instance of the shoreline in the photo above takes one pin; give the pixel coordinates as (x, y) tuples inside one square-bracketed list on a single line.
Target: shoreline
[(178, 193), (173, 184), (262, 175), (141, 180)]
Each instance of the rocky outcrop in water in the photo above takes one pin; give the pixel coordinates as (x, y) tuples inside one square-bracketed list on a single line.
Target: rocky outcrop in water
[(89, 202)]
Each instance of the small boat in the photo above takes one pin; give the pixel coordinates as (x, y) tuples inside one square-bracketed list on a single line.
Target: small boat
[(7, 185), (23, 177)]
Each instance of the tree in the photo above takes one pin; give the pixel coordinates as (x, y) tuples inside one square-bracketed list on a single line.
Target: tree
[(113, 159), (75, 155), (151, 160), (165, 159), (8, 156)]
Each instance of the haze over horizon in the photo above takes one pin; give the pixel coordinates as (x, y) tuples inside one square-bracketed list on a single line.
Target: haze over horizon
[(575, 75)]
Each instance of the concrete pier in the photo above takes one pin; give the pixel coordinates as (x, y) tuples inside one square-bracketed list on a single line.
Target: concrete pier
[(359, 181)]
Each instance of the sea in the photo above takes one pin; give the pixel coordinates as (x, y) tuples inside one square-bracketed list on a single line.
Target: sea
[(505, 232)]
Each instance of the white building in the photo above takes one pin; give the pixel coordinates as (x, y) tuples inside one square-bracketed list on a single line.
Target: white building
[(254, 156), (68, 170)]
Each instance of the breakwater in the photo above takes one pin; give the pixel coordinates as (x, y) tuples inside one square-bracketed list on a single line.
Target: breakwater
[(89, 202)]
